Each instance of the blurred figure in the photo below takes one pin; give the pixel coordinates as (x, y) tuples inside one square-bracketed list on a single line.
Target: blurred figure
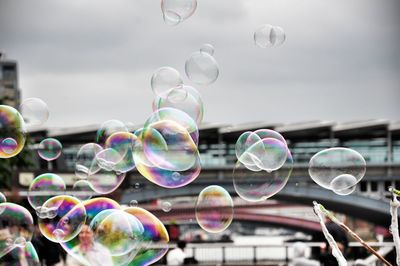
[(300, 257), (177, 255), (95, 253), (49, 253)]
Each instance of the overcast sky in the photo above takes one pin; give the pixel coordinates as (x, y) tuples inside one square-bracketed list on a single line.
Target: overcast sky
[(92, 60)]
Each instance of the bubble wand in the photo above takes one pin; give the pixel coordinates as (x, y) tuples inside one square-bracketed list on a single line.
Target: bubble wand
[(349, 231), (394, 226), (332, 243)]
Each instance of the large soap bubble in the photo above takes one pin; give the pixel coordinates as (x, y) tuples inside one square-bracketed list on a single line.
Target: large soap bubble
[(338, 169), (16, 227), (256, 184), (214, 209), (34, 111), (12, 132), (268, 36), (118, 231), (155, 238), (64, 220), (201, 67), (176, 11)]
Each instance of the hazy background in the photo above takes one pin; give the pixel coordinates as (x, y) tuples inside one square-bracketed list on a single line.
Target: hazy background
[(92, 60)]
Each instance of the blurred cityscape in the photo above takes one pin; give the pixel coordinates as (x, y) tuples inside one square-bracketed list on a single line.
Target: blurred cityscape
[(261, 233)]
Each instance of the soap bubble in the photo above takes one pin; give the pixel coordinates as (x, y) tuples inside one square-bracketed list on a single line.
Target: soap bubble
[(34, 111), (70, 216), (133, 203), (122, 143), (108, 158), (155, 236), (214, 209), (268, 36), (21, 255), (49, 149), (16, 225), (166, 206), (191, 104), (12, 132), (337, 169), (86, 163), (9, 145), (260, 185), (108, 128), (164, 79), (44, 187), (118, 231), (176, 11), (202, 68)]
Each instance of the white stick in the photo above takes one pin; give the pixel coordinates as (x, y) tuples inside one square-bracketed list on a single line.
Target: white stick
[(332, 243), (394, 227)]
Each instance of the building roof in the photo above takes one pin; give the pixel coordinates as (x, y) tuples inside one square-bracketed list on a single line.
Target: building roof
[(362, 124)]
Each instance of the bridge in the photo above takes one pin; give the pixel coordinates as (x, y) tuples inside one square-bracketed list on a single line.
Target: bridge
[(377, 140)]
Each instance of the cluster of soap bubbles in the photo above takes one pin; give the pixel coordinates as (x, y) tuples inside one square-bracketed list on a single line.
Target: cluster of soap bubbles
[(264, 164), (337, 169), (176, 11), (267, 36), (201, 67)]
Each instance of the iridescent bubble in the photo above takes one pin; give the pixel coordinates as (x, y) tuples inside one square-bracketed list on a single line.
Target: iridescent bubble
[(108, 128), (176, 11), (12, 132), (74, 247), (164, 79), (268, 36), (154, 240), (82, 190), (163, 177), (118, 231), (9, 145), (214, 209), (190, 103), (86, 163), (337, 169), (344, 184), (260, 185), (43, 187), (104, 182), (169, 146), (202, 68), (49, 149), (207, 48), (2, 198), (34, 111), (166, 206), (107, 159), (133, 203), (69, 217), (122, 143), (16, 227)]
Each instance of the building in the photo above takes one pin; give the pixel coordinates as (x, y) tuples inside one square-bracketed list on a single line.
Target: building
[(9, 90)]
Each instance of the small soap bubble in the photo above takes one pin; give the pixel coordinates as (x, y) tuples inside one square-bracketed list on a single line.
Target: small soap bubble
[(133, 203), (176, 11), (202, 68), (49, 149), (268, 36), (164, 79), (9, 145), (166, 206), (34, 111)]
